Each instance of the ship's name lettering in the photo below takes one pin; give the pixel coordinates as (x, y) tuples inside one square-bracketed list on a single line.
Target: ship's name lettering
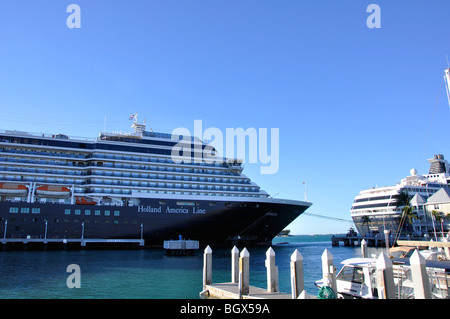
[(169, 210)]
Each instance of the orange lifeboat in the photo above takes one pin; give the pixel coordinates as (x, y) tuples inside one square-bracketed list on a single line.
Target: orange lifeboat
[(83, 201), (11, 189), (53, 191)]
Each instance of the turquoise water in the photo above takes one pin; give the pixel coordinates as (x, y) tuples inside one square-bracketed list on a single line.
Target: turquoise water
[(150, 273)]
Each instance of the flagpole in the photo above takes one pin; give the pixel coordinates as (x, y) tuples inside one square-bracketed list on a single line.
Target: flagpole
[(306, 197)]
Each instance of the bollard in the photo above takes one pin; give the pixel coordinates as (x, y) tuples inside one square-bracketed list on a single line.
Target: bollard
[(328, 271), (244, 276), (234, 265), (421, 282), (297, 279), (385, 278), (207, 267), (364, 248), (272, 271)]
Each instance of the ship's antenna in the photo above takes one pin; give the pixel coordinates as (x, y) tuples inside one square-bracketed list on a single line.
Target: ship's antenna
[(447, 83), (448, 64)]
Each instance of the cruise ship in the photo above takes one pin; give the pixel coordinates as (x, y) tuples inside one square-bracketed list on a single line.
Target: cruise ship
[(380, 208), (127, 186)]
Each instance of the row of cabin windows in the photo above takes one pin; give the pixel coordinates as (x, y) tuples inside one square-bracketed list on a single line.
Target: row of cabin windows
[(86, 212)]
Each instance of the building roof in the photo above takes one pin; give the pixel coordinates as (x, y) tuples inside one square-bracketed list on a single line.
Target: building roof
[(417, 200), (441, 196)]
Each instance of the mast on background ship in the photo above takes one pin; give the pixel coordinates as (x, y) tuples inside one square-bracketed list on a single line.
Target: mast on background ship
[(447, 83)]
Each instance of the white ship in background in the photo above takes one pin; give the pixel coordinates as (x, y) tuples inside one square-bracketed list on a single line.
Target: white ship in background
[(377, 209)]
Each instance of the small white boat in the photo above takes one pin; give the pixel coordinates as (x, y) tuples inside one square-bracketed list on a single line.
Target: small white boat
[(357, 279)]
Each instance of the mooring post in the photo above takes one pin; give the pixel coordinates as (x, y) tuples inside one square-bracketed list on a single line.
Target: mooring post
[(234, 265), (297, 277), (421, 282), (364, 248), (244, 275), (385, 278), (272, 271), (207, 267), (328, 271)]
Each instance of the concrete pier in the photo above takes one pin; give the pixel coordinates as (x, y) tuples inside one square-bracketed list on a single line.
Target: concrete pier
[(43, 243), (355, 240)]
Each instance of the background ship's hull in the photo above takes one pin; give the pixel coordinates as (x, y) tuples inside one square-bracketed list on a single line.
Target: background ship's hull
[(210, 222), (378, 224)]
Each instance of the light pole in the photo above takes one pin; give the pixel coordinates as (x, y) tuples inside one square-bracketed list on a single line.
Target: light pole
[(6, 226)]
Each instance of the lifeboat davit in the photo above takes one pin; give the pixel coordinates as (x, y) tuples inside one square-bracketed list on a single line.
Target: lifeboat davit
[(11, 189), (53, 191)]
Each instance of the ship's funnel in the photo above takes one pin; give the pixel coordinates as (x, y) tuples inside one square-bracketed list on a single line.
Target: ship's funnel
[(438, 165)]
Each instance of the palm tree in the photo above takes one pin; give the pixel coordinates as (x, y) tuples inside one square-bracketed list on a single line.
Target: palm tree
[(366, 220), (403, 198), (439, 217), (407, 212)]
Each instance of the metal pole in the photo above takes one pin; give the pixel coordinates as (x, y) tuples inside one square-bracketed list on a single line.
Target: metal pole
[(82, 230), (6, 226), (142, 230), (45, 235), (386, 240)]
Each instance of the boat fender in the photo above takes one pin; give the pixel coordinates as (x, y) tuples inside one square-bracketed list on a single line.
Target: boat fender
[(326, 292)]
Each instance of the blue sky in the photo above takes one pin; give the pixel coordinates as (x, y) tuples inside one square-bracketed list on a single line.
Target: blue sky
[(356, 107)]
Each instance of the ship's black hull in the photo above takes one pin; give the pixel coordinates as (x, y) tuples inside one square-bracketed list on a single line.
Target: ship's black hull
[(156, 220)]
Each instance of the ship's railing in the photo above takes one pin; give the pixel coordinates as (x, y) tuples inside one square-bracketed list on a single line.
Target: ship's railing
[(45, 135)]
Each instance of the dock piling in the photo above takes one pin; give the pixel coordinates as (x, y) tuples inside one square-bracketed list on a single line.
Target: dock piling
[(272, 271), (207, 267), (385, 278), (364, 248), (297, 277), (234, 265), (446, 249), (421, 282), (244, 274), (328, 270)]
